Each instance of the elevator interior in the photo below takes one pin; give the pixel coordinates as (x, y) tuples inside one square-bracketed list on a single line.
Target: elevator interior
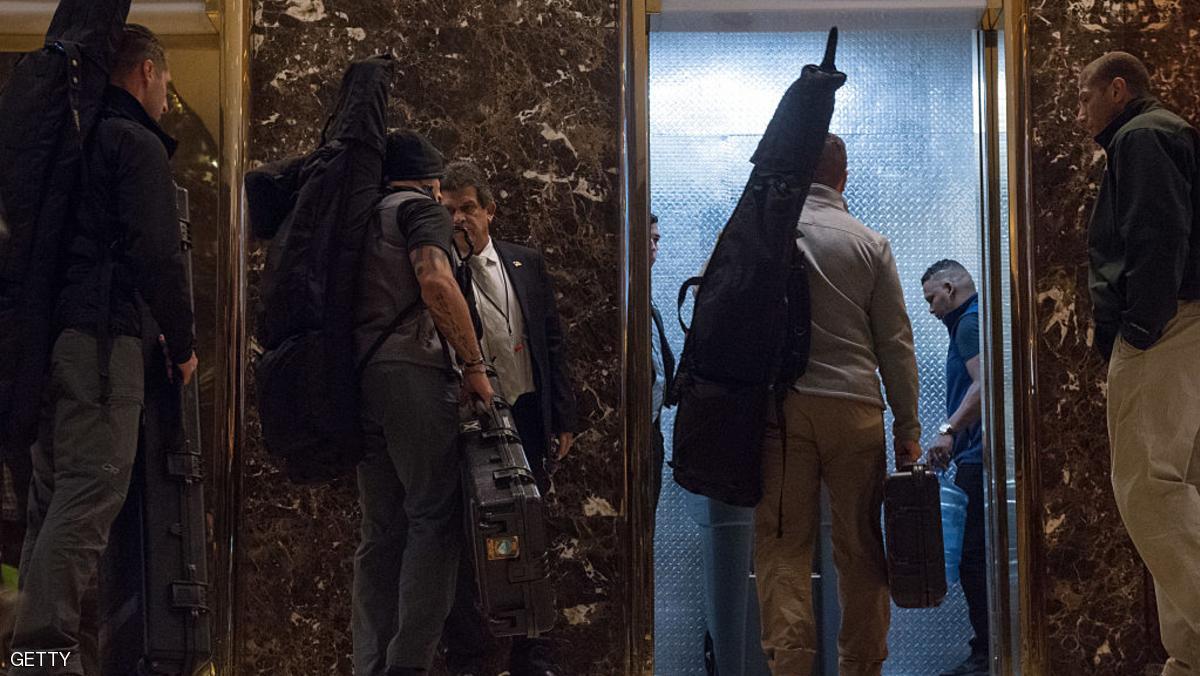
[(914, 115)]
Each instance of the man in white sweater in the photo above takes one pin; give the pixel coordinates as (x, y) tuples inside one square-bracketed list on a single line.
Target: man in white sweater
[(835, 434)]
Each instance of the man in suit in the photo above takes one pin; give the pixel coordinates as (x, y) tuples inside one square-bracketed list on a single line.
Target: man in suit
[(664, 368), (523, 339)]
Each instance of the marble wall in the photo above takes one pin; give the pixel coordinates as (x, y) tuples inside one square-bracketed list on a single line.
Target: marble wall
[(1101, 620), (528, 90)]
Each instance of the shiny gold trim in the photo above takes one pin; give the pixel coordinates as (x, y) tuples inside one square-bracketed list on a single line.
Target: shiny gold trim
[(1025, 339), (10, 42), (18, 42), (993, 381), (636, 369), (235, 111), (213, 9)]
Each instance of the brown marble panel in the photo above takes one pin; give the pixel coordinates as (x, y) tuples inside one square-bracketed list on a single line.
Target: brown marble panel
[(1100, 620), (529, 91)]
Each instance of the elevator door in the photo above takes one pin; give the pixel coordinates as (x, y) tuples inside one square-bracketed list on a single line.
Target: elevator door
[(908, 116)]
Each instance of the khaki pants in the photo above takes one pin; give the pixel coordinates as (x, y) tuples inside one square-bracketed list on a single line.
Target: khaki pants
[(840, 442), (1154, 429)]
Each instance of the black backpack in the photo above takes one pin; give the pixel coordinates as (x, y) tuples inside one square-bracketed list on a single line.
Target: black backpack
[(749, 338), (47, 110), (315, 210)]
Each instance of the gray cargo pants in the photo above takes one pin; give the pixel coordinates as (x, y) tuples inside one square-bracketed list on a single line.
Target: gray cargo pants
[(412, 531), (81, 470)]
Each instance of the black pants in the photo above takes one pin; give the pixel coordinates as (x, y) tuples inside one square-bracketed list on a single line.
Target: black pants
[(973, 569), (408, 488), (527, 413), (660, 454), (464, 633), (82, 466)]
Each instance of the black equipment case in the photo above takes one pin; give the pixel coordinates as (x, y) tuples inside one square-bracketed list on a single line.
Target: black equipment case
[(505, 525), (913, 522), (154, 581)]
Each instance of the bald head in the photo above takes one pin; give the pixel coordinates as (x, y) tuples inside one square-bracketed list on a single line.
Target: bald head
[(831, 170), (1106, 86), (946, 286), (1104, 70)]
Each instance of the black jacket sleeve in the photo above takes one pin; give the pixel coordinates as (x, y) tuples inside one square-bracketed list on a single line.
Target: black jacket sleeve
[(564, 416), (1154, 218), (146, 209)]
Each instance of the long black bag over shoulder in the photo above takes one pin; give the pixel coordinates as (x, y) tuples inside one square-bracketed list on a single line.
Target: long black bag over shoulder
[(47, 109), (315, 210), (749, 338)]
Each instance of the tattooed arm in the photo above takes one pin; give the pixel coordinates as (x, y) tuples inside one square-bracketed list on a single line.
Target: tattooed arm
[(446, 304)]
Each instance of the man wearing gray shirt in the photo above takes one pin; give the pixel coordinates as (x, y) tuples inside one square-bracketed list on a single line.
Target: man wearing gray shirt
[(835, 434)]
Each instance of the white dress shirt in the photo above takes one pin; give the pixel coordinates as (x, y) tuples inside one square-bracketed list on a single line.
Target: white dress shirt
[(504, 340)]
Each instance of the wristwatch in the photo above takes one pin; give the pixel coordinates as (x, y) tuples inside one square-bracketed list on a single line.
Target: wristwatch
[(947, 429)]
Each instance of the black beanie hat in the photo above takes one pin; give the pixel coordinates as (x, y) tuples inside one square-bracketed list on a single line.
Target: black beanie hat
[(411, 157)]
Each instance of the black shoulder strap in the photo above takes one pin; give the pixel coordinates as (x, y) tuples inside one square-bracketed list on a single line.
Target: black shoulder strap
[(104, 338), (384, 334), (692, 281), (388, 207)]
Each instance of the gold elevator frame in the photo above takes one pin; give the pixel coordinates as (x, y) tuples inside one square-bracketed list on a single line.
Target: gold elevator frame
[(233, 21)]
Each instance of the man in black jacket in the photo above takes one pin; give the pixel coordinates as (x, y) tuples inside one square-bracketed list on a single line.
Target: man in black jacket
[(1144, 245), (126, 247), (523, 339)]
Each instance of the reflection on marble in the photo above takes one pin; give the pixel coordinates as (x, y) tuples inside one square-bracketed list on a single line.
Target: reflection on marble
[(529, 92), (1101, 620)]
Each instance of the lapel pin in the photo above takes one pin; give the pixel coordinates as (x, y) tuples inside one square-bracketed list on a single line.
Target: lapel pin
[(516, 264)]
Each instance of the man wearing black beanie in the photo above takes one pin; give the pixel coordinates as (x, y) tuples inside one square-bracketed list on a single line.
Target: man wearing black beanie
[(408, 483)]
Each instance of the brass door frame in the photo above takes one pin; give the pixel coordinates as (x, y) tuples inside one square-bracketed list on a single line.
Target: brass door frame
[(637, 507), (995, 360), (1025, 336), (233, 20)]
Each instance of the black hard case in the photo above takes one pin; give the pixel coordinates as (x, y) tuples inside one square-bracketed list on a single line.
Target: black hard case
[(154, 579), (505, 525), (913, 523)]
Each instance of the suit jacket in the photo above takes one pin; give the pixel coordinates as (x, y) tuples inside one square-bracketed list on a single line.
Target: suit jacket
[(526, 271), (668, 356)]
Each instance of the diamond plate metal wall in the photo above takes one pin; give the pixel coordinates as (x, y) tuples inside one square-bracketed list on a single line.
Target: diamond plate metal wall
[(908, 117)]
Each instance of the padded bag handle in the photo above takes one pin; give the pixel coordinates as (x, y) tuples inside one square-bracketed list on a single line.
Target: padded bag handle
[(691, 281)]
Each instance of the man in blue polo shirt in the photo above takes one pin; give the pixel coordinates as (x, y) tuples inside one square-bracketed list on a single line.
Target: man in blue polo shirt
[(951, 295)]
